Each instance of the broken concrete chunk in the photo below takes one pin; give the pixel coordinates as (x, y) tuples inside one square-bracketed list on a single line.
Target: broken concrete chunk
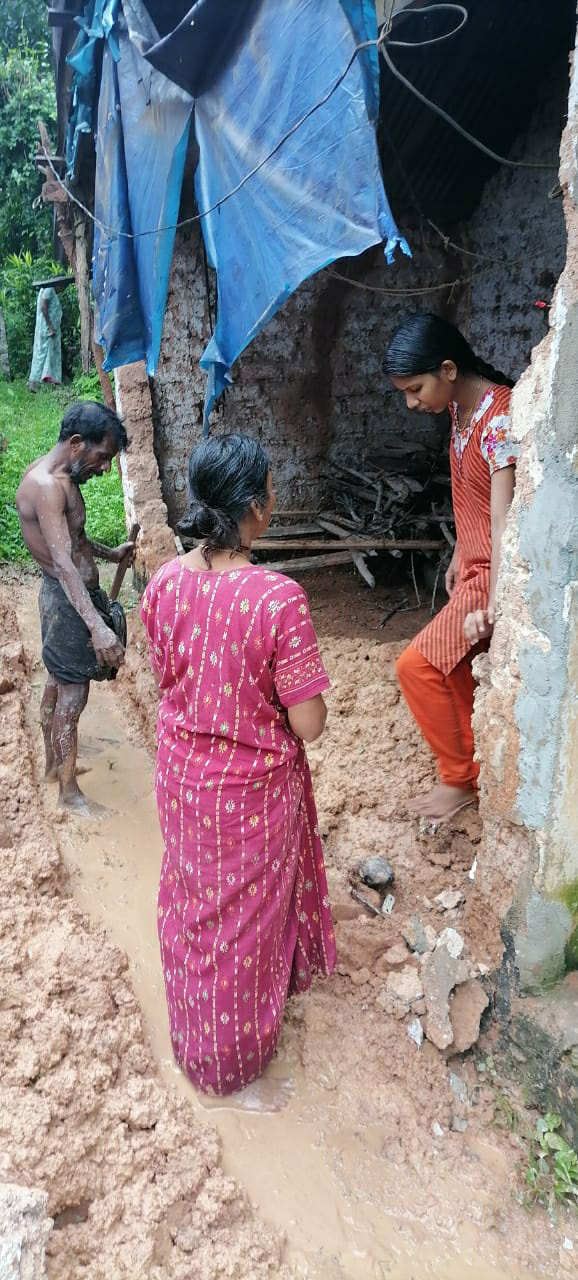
[(395, 956), (449, 899), (376, 872), (440, 973), (466, 1008), (405, 986), (452, 941), (26, 1227), (415, 1032), (419, 937)]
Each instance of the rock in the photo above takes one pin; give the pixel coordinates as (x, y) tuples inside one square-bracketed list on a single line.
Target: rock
[(359, 977), (24, 1232), (440, 973), (388, 904), (458, 1124), (419, 1007), (377, 872), (437, 1130), (449, 899), (415, 1032), (452, 941), (390, 1004), (405, 986), (458, 1088), (419, 937), (395, 956), (466, 1008)]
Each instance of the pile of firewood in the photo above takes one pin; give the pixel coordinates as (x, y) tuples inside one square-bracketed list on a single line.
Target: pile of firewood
[(398, 505)]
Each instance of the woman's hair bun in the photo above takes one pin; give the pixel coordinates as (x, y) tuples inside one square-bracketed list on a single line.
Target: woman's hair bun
[(202, 521)]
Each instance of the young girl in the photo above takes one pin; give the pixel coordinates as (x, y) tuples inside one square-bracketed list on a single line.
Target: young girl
[(432, 364)]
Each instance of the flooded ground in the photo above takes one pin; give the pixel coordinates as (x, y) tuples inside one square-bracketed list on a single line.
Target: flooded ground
[(349, 1148)]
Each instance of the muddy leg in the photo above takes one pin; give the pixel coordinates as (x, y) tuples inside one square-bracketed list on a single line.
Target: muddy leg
[(72, 699), (47, 708)]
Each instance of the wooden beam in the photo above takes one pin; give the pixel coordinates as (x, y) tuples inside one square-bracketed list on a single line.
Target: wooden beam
[(311, 562), (349, 544)]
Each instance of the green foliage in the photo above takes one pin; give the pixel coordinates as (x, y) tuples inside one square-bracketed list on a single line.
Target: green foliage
[(26, 17), (26, 95), (30, 426), (552, 1172), (18, 300)]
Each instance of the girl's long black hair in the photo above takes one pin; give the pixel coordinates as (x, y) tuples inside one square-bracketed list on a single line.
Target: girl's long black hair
[(226, 474), (422, 342)]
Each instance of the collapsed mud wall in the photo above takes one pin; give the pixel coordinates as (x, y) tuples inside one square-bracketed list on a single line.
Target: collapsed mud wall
[(525, 717), (129, 1176)]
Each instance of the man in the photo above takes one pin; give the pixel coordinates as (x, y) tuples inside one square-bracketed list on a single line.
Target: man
[(83, 633)]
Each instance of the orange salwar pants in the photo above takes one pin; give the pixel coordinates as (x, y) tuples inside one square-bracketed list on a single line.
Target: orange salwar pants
[(442, 705)]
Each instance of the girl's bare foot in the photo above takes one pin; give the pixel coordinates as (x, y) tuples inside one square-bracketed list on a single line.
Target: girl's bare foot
[(443, 801)]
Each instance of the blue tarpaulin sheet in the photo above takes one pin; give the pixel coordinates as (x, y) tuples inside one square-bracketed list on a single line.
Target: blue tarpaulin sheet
[(273, 126), (318, 198), (143, 131)]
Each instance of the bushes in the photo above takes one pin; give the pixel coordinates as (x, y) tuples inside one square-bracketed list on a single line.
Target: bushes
[(18, 299)]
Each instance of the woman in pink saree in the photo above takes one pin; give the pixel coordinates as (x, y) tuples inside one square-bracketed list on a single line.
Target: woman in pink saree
[(243, 911)]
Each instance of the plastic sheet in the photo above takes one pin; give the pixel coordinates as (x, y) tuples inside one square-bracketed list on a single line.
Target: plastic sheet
[(143, 130), (97, 23), (320, 196)]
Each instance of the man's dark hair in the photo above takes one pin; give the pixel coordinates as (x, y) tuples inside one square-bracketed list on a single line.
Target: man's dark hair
[(93, 421)]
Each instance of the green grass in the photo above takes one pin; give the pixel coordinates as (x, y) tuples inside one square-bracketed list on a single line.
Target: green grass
[(30, 425)]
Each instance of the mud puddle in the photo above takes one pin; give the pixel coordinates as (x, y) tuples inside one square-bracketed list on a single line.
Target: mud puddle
[(329, 1147)]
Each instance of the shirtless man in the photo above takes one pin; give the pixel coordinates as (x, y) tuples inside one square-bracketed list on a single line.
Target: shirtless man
[(79, 643)]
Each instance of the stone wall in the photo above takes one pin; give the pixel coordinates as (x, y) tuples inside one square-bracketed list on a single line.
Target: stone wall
[(311, 383)]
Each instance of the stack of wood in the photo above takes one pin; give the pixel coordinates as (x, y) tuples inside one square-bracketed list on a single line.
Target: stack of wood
[(398, 504)]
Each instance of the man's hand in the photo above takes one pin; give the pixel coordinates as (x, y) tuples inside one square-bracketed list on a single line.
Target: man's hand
[(126, 549), (107, 646), (480, 624)]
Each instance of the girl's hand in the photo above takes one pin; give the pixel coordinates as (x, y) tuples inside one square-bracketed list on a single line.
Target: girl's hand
[(451, 578), (480, 624)]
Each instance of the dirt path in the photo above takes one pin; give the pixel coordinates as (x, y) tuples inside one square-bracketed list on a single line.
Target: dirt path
[(348, 1152)]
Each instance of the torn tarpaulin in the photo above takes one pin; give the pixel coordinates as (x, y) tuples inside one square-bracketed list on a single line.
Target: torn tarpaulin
[(143, 130), (319, 197)]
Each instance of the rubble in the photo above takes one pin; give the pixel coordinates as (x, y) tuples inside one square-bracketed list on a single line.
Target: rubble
[(440, 973), (24, 1230), (415, 1032), (419, 937), (376, 872), (467, 1005), (449, 899), (452, 941)]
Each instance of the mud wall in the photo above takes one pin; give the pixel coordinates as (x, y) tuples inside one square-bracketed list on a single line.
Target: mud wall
[(311, 383), (525, 717)]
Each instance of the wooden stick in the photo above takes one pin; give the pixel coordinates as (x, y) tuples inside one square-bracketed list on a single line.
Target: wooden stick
[(123, 565), (310, 562), (346, 543), (358, 559)]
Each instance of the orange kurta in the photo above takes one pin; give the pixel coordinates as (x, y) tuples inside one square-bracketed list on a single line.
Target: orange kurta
[(485, 447)]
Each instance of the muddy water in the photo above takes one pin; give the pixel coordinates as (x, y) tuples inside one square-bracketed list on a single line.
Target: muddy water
[(345, 1212)]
